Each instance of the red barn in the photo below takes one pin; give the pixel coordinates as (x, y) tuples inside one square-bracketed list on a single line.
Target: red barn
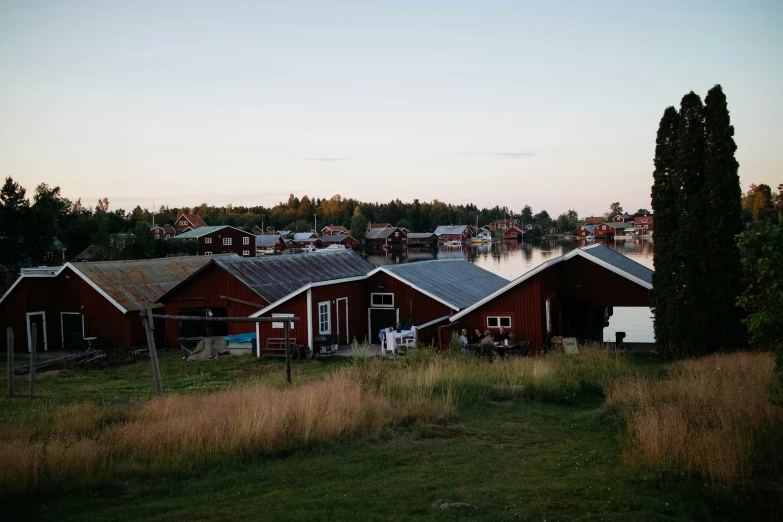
[(425, 293), (567, 296), (503, 224), (339, 239), (611, 229), (222, 240), (335, 229), (513, 232), (453, 233), (387, 237), (84, 300), (644, 223), (238, 287)]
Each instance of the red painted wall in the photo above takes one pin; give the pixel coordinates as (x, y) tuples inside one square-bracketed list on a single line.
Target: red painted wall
[(237, 246)]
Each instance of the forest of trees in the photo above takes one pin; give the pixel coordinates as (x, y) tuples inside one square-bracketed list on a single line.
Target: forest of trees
[(28, 228)]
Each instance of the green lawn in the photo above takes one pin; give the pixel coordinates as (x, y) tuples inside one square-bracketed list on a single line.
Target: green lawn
[(513, 459)]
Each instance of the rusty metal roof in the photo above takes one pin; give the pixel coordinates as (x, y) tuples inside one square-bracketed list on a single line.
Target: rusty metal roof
[(135, 285), (274, 277)]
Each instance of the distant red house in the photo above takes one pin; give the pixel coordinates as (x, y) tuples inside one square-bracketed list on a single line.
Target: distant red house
[(584, 231), (387, 237), (453, 233), (513, 232), (222, 240), (335, 229), (304, 239), (610, 229), (378, 225), (503, 224), (187, 222), (270, 242), (622, 218), (594, 220), (644, 223), (339, 239), (163, 232), (570, 296)]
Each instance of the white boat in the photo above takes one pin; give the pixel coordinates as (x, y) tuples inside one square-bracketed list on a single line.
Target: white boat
[(332, 247)]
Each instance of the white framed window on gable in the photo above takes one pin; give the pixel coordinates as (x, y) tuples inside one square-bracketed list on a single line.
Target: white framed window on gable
[(207, 240), (382, 300), (496, 321), (246, 252), (324, 318), (245, 240), (227, 241), (207, 253)]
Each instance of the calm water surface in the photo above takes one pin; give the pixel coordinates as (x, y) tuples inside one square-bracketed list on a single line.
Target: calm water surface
[(511, 259)]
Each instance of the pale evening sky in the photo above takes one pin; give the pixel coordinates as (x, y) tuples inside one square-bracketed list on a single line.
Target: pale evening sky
[(554, 104)]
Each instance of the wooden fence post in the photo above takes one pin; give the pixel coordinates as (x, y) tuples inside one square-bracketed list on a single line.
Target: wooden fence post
[(288, 350), (149, 325), (33, 348), (10, 345)]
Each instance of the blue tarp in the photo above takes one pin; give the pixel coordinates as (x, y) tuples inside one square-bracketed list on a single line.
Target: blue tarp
[(241, 338)]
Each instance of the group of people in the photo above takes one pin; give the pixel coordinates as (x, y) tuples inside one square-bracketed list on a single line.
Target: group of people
[(501, 336)]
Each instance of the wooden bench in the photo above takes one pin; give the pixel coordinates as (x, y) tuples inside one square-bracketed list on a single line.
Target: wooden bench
[(275, 347)]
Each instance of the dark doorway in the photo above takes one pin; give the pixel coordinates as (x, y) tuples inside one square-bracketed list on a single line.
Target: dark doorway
[(576, 319), (73, 335), (381, 318), (202, 328), (38, 321)]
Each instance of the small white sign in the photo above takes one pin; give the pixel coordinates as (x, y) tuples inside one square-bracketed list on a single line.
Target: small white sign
[(280, 325)]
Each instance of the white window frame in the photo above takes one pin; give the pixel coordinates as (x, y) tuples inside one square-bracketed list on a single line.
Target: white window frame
[(328, 308), (499, 317), (548, 316), (183, 222), (208, 253), (245, 240), (226, 241), (374, 305), (207, 240), (30, 332), (246, 252)]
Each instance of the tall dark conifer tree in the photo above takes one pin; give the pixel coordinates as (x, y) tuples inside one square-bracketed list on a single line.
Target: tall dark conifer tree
[(723, 212), (665, 194), (690, 319)]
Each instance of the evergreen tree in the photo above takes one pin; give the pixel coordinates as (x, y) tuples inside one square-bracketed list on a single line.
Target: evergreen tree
[(723, 213), (691, 315), (665, 195)]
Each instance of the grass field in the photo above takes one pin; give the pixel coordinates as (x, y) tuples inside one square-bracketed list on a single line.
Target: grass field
[(519, 441)]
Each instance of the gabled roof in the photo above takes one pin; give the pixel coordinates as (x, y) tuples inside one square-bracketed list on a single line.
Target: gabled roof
[(193, 219), (514, 227), (335, 238), (594, 220), (135, 285), (589, 228), (336, 228), (304, 236), (455, 283), (274, 277), (380, 225), (617, 224), (381, 233), (598, 254), (203, 231), (450, 229), (267, 240)]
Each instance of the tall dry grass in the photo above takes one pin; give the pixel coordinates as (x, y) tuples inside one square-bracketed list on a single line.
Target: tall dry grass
[(711, 417), (83, 444)]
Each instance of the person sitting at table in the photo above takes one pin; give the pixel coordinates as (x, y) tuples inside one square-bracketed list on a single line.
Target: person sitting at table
[(476, 337), (501, 336), (487, 339)]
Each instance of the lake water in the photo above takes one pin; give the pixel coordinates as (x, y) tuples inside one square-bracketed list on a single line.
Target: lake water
[(511, 259)]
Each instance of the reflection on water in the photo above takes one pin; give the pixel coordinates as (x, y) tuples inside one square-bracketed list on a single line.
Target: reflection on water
[(511, 259)]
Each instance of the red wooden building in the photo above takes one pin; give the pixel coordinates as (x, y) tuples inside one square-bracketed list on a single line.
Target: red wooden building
[(594, 220), (387, 237), (339, 239), (187, 222), (239, 287), (222, 240), (163, 231), (611, 229), (98, 300), (569, 296), (305, 239), (270, 243), (424, 293), (513, 232), (584, 231), (503, 224), (644, 223), (453, 233), (335, 229)]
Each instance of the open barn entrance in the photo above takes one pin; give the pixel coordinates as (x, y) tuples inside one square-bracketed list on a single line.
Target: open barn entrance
[(197, 328), (381, 318)]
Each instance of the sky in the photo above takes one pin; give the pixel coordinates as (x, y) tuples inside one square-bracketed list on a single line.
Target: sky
[(552, 104)]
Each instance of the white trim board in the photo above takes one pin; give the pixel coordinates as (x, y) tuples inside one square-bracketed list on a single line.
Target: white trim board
[(308, 286), (30, 333)]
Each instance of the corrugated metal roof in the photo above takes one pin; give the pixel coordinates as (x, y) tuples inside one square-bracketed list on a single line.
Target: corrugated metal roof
[(274, 277), (267, 240), (420, 235), (450, 229), (616, 224), (200, 231), (620, 262), (380, 233), (456, 282), (304, 236), (136, 285)]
